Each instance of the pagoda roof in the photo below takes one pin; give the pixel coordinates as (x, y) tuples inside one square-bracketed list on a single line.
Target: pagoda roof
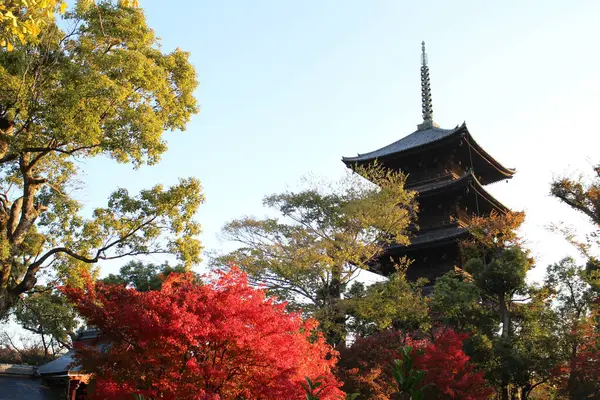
[(415, 140), (421, 140), (433, 237), (470, 179)]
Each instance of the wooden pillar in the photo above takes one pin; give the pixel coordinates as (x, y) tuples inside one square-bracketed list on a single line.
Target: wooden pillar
[(72, 390)]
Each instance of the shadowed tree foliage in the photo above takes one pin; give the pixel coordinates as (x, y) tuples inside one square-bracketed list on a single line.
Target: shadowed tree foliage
[(143, 277), (49, 315), (324, 235), (104, 88)]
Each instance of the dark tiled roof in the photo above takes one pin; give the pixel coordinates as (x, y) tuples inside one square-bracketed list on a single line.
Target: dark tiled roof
[(431, 237), (61, 365), (414, 140)]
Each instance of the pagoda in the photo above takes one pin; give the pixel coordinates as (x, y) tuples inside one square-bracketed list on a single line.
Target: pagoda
[(448, 170)]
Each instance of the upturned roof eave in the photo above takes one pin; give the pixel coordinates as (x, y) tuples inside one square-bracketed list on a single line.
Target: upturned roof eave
[(376, 154), (507, 172), (462, 129), (467, 179)]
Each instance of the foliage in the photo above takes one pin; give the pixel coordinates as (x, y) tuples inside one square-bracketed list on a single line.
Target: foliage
[(504, 275), (102, 89), (449, 370), (365, 367), (28, 353), (324, 236), (394, 302), (580, 195), (191, 341), (143, 277), (407, 379), (579, 376), (491, 234), (47, 313), (456, 303), (22, 21)]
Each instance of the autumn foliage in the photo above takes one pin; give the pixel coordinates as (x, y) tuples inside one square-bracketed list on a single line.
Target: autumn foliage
[(365, 366), (580, 375), (220, 340)]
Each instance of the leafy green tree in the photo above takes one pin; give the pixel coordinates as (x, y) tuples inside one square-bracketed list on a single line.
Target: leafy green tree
[(104, 88), (324, 236), (143, 277), (393, 303), (47, 313), (22, 21), (512, 325), (574, 301)]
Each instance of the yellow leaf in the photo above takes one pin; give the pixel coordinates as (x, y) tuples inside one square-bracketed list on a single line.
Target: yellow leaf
[(63, 8), (9, 46)]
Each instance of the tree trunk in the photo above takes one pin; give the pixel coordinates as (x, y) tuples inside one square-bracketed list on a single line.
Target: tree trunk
[(335, 332), (505, 334), (572, 382), (7, 301)]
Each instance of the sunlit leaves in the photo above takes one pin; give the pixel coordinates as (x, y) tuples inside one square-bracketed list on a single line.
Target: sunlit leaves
[(322, 236), (103, 88), (21, 21)]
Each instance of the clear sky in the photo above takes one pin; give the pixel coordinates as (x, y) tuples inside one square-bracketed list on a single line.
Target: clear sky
[(289, 87)]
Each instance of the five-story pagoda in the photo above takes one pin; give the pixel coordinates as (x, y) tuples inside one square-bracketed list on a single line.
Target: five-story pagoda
[(448, 170)]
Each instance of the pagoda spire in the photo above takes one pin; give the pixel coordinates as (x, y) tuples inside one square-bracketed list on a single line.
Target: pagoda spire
[(426, 102)]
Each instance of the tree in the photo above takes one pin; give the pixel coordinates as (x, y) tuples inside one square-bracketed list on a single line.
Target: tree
[(102, 89), (368, 367), (579, 376), (220, 340), (325, 235), (519, 357), (48, 314), (580, 195), (575, 324), (143, 277), (22, 21), (29, 352), (393, 303)]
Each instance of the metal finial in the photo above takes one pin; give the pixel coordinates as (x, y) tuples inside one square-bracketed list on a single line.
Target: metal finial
[(426, 103)]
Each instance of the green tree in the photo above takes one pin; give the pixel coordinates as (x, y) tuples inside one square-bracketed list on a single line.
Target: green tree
[(393, 303), (22, 21), (143, 277), (494, 294), (324, 236), (104, 88), (573, 301), (47, 313)]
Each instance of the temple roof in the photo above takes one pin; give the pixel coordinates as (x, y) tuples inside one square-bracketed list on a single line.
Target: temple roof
[(414, 140), (431, 237), (434, 188), (422, 140)]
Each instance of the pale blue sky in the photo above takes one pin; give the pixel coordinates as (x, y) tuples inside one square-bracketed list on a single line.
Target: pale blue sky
[(288, 88)]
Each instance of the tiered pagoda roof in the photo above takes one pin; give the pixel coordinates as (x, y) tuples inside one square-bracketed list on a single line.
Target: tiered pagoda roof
[(448, 169), (434, 137)]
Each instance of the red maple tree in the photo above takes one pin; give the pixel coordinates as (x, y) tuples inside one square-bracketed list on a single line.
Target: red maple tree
[(448, 369), (365, 366), (220, 340)]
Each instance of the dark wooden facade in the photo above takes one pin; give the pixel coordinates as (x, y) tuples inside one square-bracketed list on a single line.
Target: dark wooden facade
[(448, 170)]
